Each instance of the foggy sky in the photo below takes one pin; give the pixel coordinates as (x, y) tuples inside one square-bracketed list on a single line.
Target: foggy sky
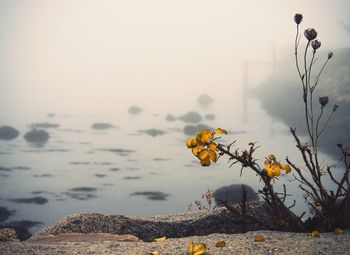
[(93, 56)]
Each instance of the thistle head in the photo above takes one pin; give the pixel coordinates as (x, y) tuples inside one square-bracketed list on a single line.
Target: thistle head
[(298, 18)]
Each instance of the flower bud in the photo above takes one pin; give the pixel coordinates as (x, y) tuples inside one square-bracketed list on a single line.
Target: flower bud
[(323, 101), (316, 44), (310, 34), (298, 18), (335, 107), (330, 55)]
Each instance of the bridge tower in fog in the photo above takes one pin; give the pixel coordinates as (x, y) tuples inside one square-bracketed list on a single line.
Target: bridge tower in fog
[(246, 66)]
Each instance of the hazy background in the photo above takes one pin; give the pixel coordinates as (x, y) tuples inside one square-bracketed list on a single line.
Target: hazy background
[(98, 57), (88, 61)]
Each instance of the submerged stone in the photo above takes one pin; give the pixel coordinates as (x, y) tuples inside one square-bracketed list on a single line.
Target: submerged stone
[(210, 116), (134, 109), (191, 130), (233, 193), (45, 125), (170, 118), (191, 117), (205, 100), (101, 126), (8, 133), (37, 136), (152, 132)]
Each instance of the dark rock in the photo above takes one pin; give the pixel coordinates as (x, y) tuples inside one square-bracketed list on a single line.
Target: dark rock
[(119, 151), (233, 193), (191, 117), (152, 195), (30, 200), (135, 109), (170, 118), (51, 115), (8, 235), (152, 132), (84, 189), (205, 100), (191, 130), (21, 227), (100, 175), (37, 136), (210, 116), (8, 133), (101, 126), (5, 214), (45, 125), (82, 193)]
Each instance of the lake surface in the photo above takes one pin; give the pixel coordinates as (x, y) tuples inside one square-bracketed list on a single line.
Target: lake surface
[(124, 171)]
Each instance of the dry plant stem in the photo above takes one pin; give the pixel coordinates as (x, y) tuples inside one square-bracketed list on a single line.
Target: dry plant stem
[(244, 208), (278, 206)]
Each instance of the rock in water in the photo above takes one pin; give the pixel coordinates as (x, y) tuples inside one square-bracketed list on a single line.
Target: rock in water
[(191, 117), (170, 118), (205, 100), (191, 130), (210, 116), (8, 133), (101, 126), (45, 125), (233, 193), (37, 136), (135, 109)]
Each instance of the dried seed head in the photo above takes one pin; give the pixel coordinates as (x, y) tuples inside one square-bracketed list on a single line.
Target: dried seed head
[(335, 107), (323, 101), (310, 34), (330, 55), (316, 44), (298, 18)]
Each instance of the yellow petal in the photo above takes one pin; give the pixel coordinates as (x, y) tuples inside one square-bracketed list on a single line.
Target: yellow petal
[(196, 249), (154, 253), (276, 170), (203, 154), (212, 146), (220, 243), (220, 131), (160, 239), (191, 143), (205, 136), (259, 238), (212, 155), (338, 231), (269, 170), (197, 150), (314, 233), (288, 169), (205, 161)]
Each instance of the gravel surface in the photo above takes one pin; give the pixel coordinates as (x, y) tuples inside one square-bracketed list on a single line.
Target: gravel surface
[(275, 243)]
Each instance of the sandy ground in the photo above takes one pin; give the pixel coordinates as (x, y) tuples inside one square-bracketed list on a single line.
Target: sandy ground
[(275, 243)]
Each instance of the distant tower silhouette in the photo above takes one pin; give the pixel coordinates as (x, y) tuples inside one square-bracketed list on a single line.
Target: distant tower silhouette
[(246, 66)]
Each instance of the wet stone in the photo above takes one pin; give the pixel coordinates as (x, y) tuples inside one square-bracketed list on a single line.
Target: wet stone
[(30, 200), (205, 100), (8, 133), (152, 195), (101, 126), (191, 117), (134, 109), (152, 132), (37, 136), (45, 125)]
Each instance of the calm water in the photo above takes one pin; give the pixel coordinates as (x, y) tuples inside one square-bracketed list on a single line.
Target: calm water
[(79, 169)]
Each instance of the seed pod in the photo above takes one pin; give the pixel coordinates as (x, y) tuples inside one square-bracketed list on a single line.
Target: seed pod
[(310, 34), (298, 18), (316, 44), (323, 100)]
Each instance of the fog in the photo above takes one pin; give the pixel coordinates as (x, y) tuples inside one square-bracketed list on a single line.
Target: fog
[(100, 57)]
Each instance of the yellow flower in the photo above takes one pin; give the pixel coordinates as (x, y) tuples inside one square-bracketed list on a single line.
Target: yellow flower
[(259, 238), (338, 231), (286, 167), (314, 233), (221, 243), (273, 170), (191, 143), (154, 253), (160, 239), (196, 249), (206, 156), (220, 131), (205, 136), (197, 150)]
